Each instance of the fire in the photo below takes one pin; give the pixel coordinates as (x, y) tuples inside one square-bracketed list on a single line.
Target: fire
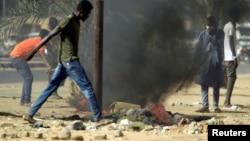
[(80, 103)]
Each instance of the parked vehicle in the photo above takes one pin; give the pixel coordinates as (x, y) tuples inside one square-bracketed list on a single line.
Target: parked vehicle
[(11, 40), (1, 48), (243, 42)]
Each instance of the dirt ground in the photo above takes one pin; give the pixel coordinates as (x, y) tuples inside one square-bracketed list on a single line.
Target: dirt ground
[(185, 102)]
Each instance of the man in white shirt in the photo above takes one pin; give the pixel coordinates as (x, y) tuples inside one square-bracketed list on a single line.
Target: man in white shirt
[(230, 57)]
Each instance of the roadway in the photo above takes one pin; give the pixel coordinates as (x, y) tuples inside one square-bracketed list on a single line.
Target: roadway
[(10, 75)]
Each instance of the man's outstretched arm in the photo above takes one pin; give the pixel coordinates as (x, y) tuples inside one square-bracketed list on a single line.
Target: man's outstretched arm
[(53, 33)]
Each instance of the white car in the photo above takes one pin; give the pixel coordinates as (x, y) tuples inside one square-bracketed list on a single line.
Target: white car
[(243, 42)]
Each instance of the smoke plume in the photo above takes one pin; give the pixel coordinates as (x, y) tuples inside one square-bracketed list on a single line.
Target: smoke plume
[(146, 50)]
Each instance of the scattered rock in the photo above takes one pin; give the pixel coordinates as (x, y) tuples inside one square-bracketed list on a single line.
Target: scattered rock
[(76, 125), (38, 135), (100, 137), (136, 126), (65, 134), (3, 135), (77, 138), (118, 133), (6, 124)]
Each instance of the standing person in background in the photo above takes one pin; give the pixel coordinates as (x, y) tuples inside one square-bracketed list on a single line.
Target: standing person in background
[(208, 58), (68, 62), (18, 55), (230, 57)]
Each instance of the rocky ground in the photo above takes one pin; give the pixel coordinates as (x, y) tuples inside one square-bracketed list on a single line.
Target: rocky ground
[(59, 121)]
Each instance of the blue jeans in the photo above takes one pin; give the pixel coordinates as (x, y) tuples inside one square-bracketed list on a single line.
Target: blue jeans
[(75, 71), (204, 96), (23, 68)]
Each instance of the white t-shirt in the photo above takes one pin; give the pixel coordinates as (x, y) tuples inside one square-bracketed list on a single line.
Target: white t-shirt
[(229, 30)]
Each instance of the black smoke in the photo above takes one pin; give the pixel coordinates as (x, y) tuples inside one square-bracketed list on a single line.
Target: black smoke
[(146, 50)]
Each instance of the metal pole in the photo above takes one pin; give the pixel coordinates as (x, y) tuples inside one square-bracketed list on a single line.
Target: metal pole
[(98, 50)]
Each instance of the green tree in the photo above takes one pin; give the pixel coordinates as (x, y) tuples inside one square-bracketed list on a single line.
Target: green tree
[(200, 9), (34, 11)]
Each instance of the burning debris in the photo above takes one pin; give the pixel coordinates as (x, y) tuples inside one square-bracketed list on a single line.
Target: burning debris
[(79, 102)]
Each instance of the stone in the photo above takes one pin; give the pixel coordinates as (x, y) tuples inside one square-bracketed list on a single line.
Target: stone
[(38, 135), (136, 126), (118, 133), (76, 125), (77, 138), (100, 137), (64, 134)]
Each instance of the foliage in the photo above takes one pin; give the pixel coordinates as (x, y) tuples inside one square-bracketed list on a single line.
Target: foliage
[(200, 9), (35, 11)]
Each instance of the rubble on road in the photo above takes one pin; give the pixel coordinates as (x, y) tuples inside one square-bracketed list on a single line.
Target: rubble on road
[(152, 120)]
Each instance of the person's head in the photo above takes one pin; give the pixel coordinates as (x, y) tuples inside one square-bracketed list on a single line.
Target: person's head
[(211, 24), (52, 23), (234, 14), (43, 33), (83, 9)]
